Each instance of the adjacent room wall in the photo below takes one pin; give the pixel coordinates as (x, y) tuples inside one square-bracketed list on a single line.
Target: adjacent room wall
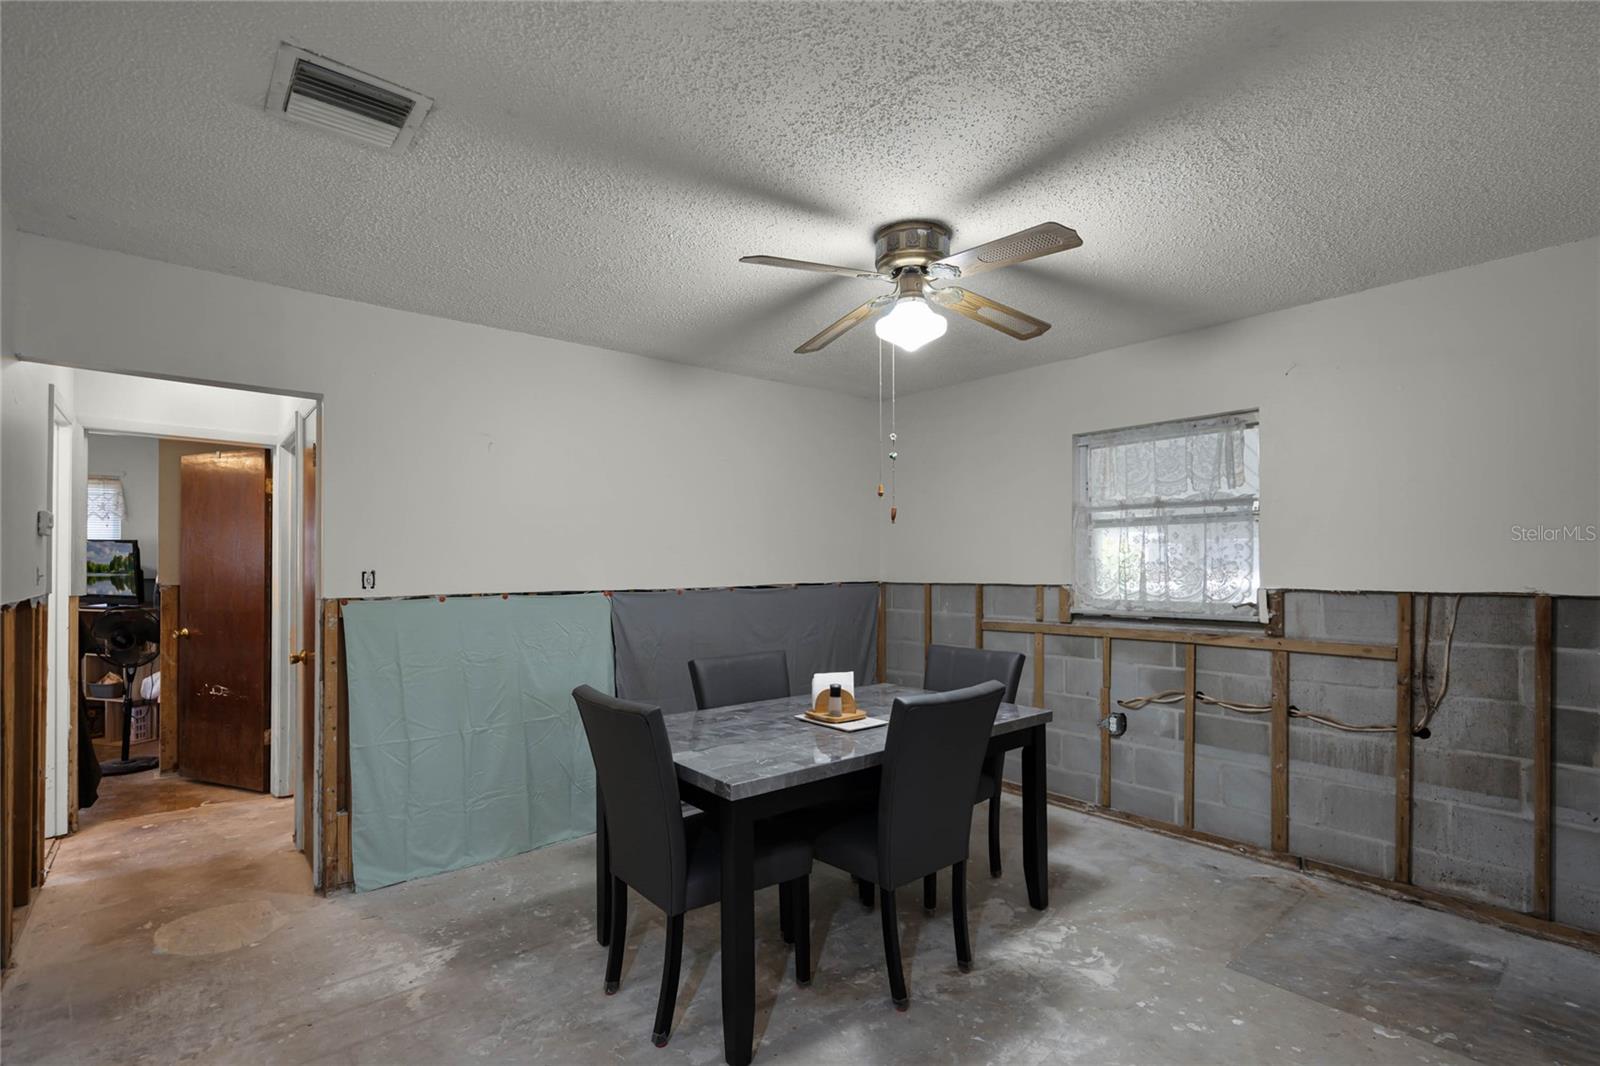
[(1405, 432), (135, 461), (458, 458)]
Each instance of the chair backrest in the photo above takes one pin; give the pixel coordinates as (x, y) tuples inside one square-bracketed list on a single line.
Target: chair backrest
[(932, 756), (724, 680), (639, 787), (950, 668)]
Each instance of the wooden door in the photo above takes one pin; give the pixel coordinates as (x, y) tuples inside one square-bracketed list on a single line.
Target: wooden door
[(306, 638), (224, 618)]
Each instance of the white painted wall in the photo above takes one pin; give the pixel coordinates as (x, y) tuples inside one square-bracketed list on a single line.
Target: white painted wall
[(136, 460), (459, 458), (1404, 431)]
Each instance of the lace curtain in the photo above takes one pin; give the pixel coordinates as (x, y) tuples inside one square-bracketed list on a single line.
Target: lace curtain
[(1165, 519), (107, 508)]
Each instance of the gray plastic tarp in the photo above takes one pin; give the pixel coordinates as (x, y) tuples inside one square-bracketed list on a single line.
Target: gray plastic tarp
[(465, 744), (821, 627)]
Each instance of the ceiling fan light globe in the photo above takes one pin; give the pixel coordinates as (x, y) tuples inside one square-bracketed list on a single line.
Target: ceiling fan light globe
[(910, 324)]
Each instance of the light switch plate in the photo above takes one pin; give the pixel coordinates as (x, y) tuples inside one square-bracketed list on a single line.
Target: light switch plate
[(45, 523)]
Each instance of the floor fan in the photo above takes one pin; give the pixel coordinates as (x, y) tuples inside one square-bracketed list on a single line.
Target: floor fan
[(127, 638)]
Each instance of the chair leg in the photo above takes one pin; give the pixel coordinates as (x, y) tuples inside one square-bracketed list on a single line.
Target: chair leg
[(864, 889), (994, 836), (670, 965), (891, 949), (958, 914), (930, 892), (997, 766), (619, 935), (786, 910), (802, 931)]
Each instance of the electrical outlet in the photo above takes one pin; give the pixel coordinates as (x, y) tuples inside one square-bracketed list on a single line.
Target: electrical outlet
[(369, 579)]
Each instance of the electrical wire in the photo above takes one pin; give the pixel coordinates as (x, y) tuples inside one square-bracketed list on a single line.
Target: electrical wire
[(1176, 695), (1430, 701)]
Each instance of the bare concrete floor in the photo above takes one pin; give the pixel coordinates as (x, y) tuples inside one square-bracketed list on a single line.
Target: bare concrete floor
[(190, 935), (149, 792)]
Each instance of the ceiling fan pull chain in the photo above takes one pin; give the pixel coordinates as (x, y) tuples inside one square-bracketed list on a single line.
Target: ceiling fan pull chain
[(880, 419), (894, 436)]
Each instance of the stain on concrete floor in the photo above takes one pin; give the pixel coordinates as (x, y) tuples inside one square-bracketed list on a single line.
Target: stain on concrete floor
[(1153, 951), (216, 930), (151, 792)]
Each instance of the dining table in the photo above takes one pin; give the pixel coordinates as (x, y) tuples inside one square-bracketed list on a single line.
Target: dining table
[(743, 763)]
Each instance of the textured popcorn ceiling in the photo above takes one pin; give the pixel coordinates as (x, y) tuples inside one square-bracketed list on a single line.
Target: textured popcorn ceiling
[(593, 171)]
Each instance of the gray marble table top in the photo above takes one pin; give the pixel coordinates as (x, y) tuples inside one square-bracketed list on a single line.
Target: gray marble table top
[(753, 748)]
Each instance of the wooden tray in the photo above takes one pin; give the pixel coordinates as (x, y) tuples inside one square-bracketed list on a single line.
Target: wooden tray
[(848, 711)]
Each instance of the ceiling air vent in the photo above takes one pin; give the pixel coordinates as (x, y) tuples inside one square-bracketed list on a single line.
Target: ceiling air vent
[(343, 101)]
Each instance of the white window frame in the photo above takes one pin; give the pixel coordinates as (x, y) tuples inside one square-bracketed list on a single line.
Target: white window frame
[(98, 532), (1231, 503)]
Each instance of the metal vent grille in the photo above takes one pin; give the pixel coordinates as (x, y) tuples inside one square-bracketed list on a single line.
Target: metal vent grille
[(346, 93), (342, 101)]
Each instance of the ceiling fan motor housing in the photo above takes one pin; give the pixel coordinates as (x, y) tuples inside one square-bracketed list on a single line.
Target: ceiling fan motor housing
[(910, 244)]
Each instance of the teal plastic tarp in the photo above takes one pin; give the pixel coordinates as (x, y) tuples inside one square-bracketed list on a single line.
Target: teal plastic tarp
[(465, 745)]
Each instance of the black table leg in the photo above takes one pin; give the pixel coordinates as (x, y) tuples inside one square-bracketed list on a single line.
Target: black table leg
[(1035, 847), (738, 934), (602, 872)]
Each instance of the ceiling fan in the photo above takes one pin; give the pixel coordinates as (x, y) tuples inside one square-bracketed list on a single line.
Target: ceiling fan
[(914, 257)]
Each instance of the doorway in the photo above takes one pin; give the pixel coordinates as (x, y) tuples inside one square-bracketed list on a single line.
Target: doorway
[(208, 700), (185, 514)]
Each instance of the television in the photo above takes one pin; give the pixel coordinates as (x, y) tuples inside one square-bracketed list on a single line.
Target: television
[(113, 572)]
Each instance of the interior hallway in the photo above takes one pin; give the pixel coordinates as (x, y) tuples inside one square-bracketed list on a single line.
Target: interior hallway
[(190, 934)]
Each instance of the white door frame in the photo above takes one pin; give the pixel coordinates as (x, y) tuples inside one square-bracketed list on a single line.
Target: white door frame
[(61, 689), (283, 776)]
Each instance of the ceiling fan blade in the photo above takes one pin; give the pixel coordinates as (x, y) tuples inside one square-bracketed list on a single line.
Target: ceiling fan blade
[(820, 268), (843, 326), (1046, 238), (991, 313)]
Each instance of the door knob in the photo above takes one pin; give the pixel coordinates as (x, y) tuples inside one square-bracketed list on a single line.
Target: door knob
[(184, 632), (298, 657)]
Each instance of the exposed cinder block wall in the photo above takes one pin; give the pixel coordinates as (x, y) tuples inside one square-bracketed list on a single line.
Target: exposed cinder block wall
[(1016, 603), (1577, 771), (903, 635), (1341, 784), (1472, 820), (1147, 760), (1232, 761), (1472, 813)]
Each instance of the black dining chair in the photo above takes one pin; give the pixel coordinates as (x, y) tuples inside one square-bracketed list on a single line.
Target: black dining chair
[(932, 755), (949, 668), (672, 860), (724, 680)]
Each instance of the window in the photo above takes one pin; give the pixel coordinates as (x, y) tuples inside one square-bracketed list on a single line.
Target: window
[(107, 508), (1165, 519)]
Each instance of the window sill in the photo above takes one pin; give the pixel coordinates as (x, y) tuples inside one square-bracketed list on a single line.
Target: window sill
[(1170, 622)]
